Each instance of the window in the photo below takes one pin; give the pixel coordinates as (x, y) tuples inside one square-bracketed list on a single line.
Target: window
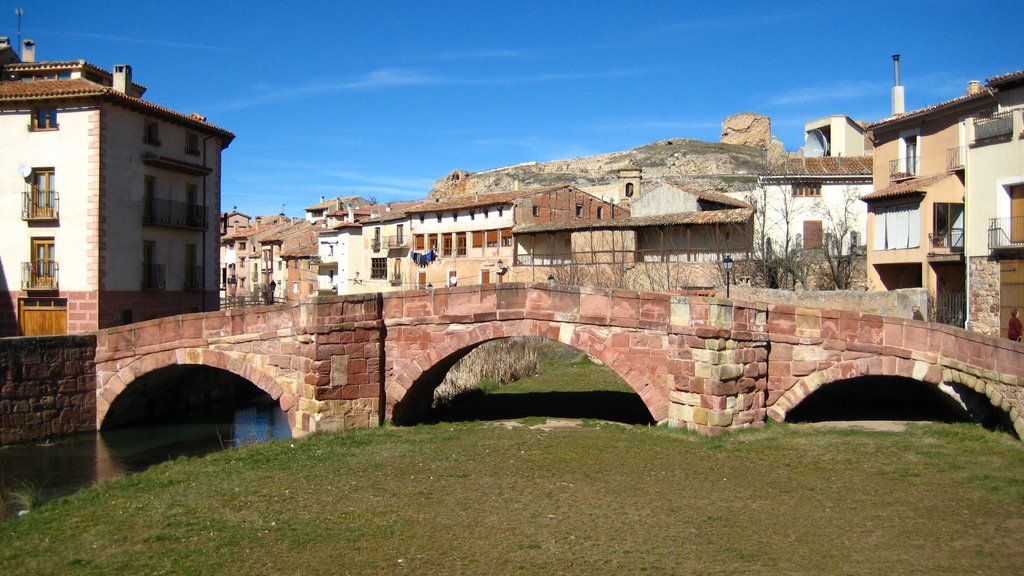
[(149, 199), (500, 211), (192, 144), (536, 211), (151, 135), (600, 212), (472, 214), (897, 227), (42, 197), (193, 273), (812, 234), (492, 238), (421, 242), (460, 244), (421, 218), (399, 235), (438, 216), (455, 216), (949, 226), (44, 262), (378, 268), (478, 239), (44, 119), (506, 237), (447, 245), (807, 189), (629, 190), (579, 210)]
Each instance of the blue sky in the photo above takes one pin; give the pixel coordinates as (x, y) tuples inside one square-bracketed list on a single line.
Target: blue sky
[(380, 98)]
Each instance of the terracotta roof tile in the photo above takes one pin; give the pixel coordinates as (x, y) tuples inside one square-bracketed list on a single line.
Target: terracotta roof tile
[(325, 204), (828, 166), (303, 251), (696, 218), (908, 188), (16, 90), (473, 200), (984, 93), (1005, 78)]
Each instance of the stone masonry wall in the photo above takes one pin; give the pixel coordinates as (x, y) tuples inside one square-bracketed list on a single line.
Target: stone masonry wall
[(47, 387), (984, 297)]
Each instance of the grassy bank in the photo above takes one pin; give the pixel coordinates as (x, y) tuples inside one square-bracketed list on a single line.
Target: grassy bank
[(482, 498)]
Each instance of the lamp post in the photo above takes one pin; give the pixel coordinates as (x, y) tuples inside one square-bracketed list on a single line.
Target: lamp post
[(727, 262)]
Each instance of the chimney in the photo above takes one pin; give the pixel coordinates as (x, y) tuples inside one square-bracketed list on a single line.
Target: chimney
[(351, 216), (28, 51), (5, 42), (123, 78), (973, 87), (897, 89), (321, 198)]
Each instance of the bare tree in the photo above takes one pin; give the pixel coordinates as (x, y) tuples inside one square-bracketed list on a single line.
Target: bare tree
[(839, 241), (778, 259)]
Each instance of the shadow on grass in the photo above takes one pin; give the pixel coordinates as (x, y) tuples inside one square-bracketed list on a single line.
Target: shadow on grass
[(623, 407)]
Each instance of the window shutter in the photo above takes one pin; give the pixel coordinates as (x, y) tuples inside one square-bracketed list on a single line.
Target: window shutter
[(478, 239)]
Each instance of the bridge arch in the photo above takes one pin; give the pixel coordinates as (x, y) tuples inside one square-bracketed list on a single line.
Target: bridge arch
[(976, 396), (414, 373), (112, 385)]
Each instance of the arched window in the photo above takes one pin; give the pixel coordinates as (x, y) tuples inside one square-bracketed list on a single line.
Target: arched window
[(629, 190)]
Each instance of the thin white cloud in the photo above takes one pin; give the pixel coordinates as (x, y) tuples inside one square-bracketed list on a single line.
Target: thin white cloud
[(149, 41), (740, 22), (839, 90)]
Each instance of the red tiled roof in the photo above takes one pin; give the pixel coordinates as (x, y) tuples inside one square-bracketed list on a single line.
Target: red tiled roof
[(908, 188), (828, 166), (473, 200), (1005, 78), (984, 93), (695, 218), (291, 230), (303, 251), (79, 88)]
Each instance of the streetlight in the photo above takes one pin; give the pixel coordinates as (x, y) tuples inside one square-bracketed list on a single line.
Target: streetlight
[(727, 262)]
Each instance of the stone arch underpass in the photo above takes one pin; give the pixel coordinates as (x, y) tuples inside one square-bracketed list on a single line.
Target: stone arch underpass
[(703, 363)]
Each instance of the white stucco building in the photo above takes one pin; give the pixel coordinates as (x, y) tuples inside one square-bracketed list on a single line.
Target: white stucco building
[(110, 203)]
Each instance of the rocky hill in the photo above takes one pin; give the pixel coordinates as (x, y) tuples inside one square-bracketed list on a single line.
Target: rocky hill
[(704, 166)]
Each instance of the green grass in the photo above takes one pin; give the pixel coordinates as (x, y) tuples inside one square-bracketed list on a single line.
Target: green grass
[(473, 497), (478, 498)]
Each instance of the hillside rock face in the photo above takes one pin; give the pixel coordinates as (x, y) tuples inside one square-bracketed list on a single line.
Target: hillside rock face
[(747, 129), (703, 166)]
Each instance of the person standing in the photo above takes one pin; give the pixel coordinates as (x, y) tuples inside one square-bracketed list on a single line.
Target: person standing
[(1014, 333), (916, 313)]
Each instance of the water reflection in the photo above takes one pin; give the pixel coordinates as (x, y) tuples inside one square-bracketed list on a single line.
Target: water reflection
[(60, 467)]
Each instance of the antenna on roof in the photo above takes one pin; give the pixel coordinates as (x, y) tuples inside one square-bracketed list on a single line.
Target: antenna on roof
[(19, 13), (282, 209)]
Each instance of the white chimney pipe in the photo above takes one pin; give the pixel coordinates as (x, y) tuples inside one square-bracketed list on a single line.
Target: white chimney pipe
[(123, 78), (28, 51), (897, 89)]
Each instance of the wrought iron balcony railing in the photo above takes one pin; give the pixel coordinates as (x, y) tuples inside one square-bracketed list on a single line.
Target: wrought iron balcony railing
[(396, 280), (398, 241), (375, 246), (153, 276), (161, 212), (40, 275), (39, 204), (903, 168), (193, 277), (947, 242), (1006, 233), (995, 128)]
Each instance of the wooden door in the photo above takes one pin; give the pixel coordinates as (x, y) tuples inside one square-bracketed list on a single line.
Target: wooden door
[(1011, 291), (44, 263), (421, 279), (485, 276), (1017, 213), (43, 316)]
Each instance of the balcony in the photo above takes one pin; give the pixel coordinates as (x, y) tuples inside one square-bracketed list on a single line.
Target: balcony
[(1006, 233), (375, 246), (946, 245), (903, 168), (193, 277), (153, 276), (994, 129), (159, 212), (39, 275), (39, 205), (398, 241), (956, 158)]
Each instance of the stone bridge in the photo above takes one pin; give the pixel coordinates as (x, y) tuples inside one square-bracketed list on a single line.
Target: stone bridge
[(706, 364)]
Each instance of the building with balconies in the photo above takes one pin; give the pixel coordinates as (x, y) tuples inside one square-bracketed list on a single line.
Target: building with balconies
[(949, 186), (995, 205), (111, 201)]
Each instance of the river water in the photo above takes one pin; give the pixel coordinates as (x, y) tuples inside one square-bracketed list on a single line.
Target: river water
[(59, 467)]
